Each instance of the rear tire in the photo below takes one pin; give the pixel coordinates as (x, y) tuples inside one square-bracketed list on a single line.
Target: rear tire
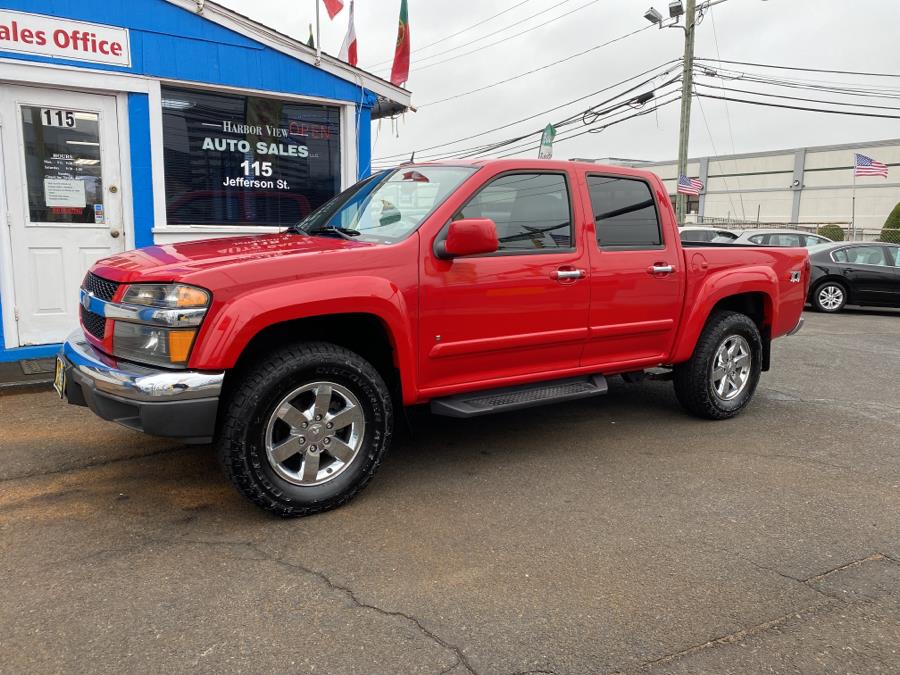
[(829, 297), (304, 429), (721, 376)]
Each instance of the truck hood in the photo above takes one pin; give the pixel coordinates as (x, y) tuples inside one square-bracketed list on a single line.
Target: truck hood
[(171, 262)]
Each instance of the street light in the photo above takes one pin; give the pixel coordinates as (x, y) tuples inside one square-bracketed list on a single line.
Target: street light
[(653, 16), (676, 9)]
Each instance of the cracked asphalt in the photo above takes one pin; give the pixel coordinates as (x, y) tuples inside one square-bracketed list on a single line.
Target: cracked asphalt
[(607, 535)]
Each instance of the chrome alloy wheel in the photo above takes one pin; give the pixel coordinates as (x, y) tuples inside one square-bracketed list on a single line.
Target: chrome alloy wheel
[(831, 297), (730, 371), (315, 433)]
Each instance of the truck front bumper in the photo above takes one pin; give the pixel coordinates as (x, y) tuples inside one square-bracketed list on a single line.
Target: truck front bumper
[(174, 403)]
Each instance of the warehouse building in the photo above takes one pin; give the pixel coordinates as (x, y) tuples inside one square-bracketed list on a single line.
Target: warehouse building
[(803, 186), (125, 124)]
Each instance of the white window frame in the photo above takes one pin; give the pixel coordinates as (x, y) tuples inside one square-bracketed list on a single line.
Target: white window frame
[(349, 160)]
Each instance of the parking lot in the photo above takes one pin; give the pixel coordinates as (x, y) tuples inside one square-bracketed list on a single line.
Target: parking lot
[(606, 535)]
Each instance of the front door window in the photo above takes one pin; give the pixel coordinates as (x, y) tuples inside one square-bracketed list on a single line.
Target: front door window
[(62, 165)]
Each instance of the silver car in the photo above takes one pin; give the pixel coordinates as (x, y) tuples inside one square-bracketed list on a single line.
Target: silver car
[(778, 238)]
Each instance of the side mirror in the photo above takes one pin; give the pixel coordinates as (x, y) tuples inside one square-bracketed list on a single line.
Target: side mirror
[(470, 236)]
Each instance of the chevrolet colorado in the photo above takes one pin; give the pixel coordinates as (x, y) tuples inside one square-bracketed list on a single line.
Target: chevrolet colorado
[(476, 287)]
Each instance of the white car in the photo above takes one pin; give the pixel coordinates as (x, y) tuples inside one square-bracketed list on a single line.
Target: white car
[(778, 238), (706, 234)]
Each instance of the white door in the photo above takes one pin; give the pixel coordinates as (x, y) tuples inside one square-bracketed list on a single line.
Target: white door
[(62, 180)]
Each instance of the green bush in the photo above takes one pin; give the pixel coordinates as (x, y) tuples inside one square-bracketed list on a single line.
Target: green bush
[(891, 230), (833, 232)]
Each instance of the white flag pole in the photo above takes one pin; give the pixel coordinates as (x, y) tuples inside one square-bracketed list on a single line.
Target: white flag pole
[(853, 203), (318, 37)]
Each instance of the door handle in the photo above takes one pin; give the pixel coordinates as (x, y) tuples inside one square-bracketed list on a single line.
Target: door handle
[(660, 268), (562, 274), (114, 234)]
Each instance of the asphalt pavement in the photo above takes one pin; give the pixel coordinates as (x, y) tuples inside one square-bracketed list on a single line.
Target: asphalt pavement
[(607, 535)]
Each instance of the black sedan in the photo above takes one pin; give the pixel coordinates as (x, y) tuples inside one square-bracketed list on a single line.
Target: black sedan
[(860, 273)]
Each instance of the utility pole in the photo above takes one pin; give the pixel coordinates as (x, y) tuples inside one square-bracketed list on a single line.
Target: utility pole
[(687, 85)]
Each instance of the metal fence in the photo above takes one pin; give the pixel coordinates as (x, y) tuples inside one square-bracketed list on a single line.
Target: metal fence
[(849, 232)]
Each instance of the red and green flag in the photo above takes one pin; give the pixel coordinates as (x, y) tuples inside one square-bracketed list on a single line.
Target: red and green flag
[(400, 69)]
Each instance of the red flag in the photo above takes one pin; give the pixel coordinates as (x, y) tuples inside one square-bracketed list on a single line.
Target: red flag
[(400, 69), (333, 7), (348, 49)]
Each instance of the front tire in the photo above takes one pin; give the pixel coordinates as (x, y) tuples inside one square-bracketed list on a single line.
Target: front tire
[(830, 297), (721, 376), (304, 429)]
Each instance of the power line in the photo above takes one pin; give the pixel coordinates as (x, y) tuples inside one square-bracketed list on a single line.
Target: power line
[(712, 17), (543, 112), (538, 69), (795, 107), (849, 90), (453, 35), (559, 140), (501, 40), (593, 110), (719, 162), (803, 98), (807, 70), (600, 115)]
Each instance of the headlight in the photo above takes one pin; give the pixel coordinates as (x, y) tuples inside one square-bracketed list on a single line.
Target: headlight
[(152, 344), (157, 323), (168, 296)]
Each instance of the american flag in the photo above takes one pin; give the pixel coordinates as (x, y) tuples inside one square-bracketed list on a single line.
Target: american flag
[(689, 186), (866, 166)]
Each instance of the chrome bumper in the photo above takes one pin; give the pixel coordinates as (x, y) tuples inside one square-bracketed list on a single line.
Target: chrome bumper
[(796, 329), (175, 403)]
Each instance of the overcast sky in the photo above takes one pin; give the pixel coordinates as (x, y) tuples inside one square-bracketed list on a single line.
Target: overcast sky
[(833, 34)]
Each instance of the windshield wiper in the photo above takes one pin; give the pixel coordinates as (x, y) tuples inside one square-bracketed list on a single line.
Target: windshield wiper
[(344, 232)]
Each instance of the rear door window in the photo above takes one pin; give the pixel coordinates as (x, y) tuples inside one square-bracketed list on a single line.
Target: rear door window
[(862, 255), (625, 214), (786, 239)]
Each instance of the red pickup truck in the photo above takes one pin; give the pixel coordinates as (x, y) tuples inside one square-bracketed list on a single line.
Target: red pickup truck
[(476, 287)]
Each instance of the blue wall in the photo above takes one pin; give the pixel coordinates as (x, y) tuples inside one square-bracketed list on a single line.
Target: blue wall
[(173, 43)]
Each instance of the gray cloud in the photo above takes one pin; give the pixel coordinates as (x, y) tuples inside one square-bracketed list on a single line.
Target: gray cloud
[(857, 35)]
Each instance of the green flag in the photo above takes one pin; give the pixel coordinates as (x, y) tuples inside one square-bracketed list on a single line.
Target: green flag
[(546, 149)]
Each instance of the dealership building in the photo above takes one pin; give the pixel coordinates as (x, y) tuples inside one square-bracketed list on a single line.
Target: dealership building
[(125, 124), (802, 187)]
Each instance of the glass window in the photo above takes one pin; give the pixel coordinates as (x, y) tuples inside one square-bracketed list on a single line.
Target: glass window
[(895, 252), (758, 239), (531, 211), (861, 255), (624, 212), (62, 165), (247, 160), (388, 206), (786, 239)]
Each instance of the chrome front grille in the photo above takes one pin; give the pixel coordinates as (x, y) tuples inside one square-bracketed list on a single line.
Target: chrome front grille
[(99, 287), (93, 323)]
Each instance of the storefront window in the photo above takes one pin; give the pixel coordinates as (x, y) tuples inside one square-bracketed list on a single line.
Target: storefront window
[(246, 160), (62, 165)]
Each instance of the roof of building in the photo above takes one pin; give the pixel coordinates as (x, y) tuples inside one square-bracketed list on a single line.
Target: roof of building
[(396, 98)]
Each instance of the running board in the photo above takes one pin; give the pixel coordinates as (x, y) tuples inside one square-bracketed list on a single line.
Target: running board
[(475, 403)]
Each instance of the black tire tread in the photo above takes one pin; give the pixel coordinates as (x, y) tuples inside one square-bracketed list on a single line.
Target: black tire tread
[(815, 296), (230, 440), (691, 378)]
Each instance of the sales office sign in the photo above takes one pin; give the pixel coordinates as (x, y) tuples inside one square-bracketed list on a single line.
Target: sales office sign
[(63, 38)]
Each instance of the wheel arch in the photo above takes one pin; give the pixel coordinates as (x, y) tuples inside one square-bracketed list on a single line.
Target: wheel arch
[(753, 293), (362, 333)]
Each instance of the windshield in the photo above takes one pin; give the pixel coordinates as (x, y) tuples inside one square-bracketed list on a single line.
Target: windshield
[(387, 206)]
